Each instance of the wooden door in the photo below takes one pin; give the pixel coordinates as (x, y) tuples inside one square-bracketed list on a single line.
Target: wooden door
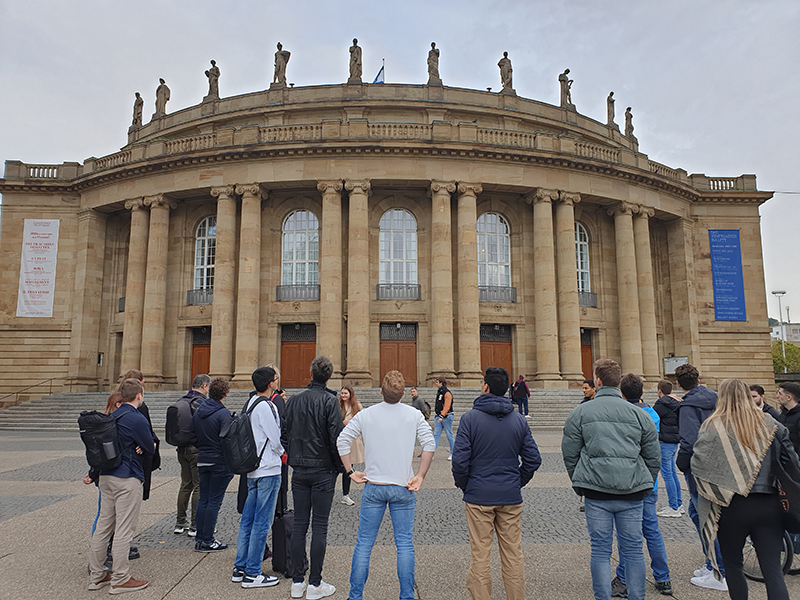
[(296, 360), (586, 360), (497, 354), (201, 359), (400, 355)]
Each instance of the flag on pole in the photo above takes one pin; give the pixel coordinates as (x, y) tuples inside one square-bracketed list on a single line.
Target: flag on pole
[(379, 76)]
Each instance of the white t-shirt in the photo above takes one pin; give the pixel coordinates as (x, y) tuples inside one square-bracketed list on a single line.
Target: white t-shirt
[(389, 432), (265, 425)]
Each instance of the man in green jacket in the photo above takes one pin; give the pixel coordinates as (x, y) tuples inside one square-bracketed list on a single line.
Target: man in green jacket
[(612, 455)]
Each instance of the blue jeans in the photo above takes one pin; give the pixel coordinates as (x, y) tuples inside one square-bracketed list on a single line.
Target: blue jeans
[(446, 424), (670, 474), (213, 483), (374, 500), (655, 542), (696, 520), (257, 515), (602, 516), (520, 402)]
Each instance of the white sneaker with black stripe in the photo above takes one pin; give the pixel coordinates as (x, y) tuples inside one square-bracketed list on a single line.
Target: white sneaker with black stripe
[(260, 581)]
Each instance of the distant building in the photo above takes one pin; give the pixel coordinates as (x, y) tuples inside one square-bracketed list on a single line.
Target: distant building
[(792, 332)]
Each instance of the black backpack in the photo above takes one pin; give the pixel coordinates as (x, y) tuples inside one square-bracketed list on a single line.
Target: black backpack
[(179, 423), (239, 444), (99, 435)]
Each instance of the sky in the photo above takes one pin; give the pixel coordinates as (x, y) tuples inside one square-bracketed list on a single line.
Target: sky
[(714, 85)]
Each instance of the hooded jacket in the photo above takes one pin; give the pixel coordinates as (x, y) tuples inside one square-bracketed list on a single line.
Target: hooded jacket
[(697, 405), (207, 422), (494, 454), (667, 409)]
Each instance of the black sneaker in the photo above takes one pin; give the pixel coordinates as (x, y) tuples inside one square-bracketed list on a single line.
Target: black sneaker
[(133, 553), (260, 581), (665, 587), (618, 589), (214, 546), (238, 575)]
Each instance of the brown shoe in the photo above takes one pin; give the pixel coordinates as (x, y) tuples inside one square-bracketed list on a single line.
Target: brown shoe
[(132, 585), (102, 583)]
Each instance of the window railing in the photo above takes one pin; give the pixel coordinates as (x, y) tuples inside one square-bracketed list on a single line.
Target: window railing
[(587, 299), (399, 291), (121, 304), (198, 297), (496, 293), (285, 293)]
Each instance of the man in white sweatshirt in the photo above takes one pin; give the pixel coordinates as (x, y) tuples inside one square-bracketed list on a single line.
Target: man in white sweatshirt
[(389, 431), (262, 484)]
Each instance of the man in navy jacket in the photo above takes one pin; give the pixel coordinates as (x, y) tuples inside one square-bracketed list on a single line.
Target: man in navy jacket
[(492, 439)]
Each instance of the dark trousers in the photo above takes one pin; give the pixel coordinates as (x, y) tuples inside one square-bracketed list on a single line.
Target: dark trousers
[(520, 402), (759, 516), (346, 484), (312, 491), (213, 483), (190, 484)]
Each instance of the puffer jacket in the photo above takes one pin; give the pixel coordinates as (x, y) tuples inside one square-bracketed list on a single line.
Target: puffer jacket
[(667, 409), (491, 440), (312, 422), (611, 446), (697, 405), (791, 420), (207, 422)]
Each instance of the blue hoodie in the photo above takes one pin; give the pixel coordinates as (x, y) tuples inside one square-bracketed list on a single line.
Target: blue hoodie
[(491, 440), (697, 405), (207, 422)]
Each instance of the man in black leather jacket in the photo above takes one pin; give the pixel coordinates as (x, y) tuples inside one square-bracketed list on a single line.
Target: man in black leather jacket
[(312, 422), (788, 397)]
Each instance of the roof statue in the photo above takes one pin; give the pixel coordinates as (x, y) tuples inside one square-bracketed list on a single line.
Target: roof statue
[(281, 60), (213, 82), (138, 107), (355, 63), (565, 85), (433, 66), (610, 110), (629, 125), (162, 97), (506, 74)]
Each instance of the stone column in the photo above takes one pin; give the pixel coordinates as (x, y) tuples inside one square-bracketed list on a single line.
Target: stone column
[(358, 292), (329, 340), (647, 296), (224, 307), (155, 290), (682, 289), (134, 286), (86, 301), (469, 341), (248, 296), (442, 359), (544, 276), (569, 319), (627, 289)]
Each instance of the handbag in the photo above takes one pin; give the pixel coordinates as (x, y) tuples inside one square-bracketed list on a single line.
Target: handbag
[(788, 476)]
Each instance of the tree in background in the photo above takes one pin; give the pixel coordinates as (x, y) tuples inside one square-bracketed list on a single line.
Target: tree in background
[(792, 360)]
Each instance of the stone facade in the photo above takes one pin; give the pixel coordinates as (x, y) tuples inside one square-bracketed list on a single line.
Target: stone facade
[(348, 154)]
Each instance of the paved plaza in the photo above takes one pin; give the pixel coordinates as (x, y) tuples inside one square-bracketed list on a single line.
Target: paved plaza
[(46, 514)]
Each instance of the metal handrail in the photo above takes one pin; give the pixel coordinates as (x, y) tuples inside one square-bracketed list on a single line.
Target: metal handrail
[(18, 392)]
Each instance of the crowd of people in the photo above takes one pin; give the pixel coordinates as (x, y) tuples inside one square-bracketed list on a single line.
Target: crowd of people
[(732, 448)]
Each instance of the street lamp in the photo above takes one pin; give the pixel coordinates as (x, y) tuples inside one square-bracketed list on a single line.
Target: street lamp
[(779, 294)]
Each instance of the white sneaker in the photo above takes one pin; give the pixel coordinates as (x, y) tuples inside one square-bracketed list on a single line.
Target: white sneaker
[(450, 457), (668, 512), (682, 510), (708, 581), (298, 589), (324, 589), (701, 572), (346, 499)]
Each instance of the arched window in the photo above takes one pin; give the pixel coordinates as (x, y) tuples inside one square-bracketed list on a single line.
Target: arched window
[(582, 258), (494, 251), (300, 249), (398, 247), (204, 249)]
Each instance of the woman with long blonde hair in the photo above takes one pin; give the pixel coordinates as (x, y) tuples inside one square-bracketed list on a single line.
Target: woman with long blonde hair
[(350, 406), (733, 465)]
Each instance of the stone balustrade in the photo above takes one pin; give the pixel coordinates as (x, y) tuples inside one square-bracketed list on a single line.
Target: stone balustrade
[(112, 160), (189, 144), (597, 152)]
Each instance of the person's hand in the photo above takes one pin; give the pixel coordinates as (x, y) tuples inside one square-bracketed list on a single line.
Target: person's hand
[(86, 479), (138, 450), (346, 421), (415, 483), (358, 477)]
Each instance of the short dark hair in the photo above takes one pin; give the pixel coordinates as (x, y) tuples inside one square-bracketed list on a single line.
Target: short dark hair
[(791, 388), (589, 382), (262, 377), (631, 387), (218, 388), (665, 387), (321, 369), (393, 387), (497, 380), (758, 389), (608, 371), (687, 376), (200, 380), (442, 381), (129, 389)]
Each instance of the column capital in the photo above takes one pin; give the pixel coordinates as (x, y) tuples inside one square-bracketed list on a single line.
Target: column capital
[(159, 200), (447, 187), (358, 185), (623, 208), (646, 213), (330, 185), (223, 191), (542, 195), (469, 189), (571, 198), (90, 214), (252, 189), (134, 204)]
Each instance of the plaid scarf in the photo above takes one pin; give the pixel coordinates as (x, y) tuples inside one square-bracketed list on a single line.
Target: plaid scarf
[(722, 467)]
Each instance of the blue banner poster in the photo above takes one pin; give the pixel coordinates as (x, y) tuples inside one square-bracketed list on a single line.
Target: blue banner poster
[(726, 275)]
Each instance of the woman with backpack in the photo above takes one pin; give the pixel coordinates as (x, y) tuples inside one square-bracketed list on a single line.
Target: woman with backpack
[(350, 406)]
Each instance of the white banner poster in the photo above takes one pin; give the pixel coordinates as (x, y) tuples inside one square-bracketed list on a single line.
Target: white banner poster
[(37, 273)]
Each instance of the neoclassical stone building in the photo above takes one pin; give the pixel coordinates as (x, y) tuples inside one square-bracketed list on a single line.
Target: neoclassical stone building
[(432, 229)]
